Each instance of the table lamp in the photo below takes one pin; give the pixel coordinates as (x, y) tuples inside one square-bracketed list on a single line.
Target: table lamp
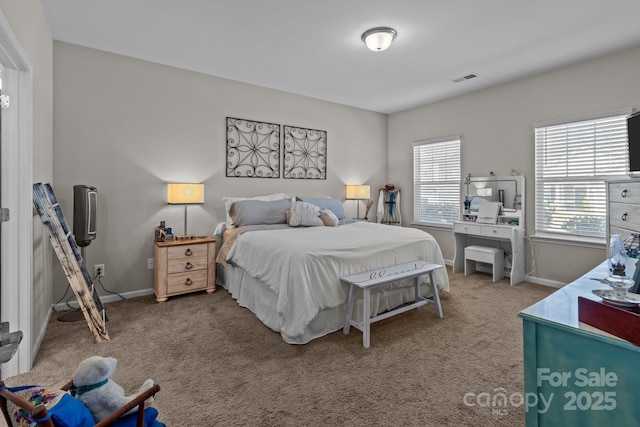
[(358, 192), (185, 194)]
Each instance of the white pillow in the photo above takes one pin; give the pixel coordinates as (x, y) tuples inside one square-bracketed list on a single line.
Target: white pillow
[(305, 214), (228, 201), (328, 218)]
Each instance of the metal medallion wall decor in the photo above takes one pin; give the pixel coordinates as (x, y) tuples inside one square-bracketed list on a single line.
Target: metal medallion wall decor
[(305, 153), (253, 149)]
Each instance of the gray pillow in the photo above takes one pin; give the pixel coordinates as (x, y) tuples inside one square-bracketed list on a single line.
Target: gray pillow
[(258, 212), (326, 203)]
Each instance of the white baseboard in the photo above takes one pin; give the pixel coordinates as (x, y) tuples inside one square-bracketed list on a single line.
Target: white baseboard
[(530, 279), (106, 298), (544, 282)]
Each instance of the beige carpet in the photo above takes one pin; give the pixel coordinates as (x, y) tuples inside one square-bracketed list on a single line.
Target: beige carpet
[(218, 365)]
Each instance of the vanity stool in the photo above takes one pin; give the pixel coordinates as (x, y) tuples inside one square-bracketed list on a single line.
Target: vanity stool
[(493, 256)]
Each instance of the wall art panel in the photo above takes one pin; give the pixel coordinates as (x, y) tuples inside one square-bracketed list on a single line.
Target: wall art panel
[(253, 149), (305, 153)]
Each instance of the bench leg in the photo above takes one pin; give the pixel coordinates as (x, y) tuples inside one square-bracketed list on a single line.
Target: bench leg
[(347, 314), (436, 294), (366, 325)]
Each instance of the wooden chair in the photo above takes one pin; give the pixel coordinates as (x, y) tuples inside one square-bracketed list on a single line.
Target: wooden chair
[(40, 411)]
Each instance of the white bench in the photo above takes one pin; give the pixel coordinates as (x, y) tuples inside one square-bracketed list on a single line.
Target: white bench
[(371, 279)]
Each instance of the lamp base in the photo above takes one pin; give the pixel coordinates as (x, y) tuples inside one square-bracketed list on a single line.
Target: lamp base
[(185, 237)]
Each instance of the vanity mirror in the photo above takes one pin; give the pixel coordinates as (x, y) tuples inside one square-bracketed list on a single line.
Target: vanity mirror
[(506, 190)]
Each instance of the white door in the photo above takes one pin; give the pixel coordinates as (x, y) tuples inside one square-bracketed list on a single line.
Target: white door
[(16, 176)]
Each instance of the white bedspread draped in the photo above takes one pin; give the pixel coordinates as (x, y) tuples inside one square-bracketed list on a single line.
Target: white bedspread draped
[(303, 265)]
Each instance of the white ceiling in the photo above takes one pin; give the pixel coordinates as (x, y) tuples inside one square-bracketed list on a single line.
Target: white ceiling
[(313, 47)]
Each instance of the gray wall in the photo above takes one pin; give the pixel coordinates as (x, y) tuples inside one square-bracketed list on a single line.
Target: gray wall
[(128, 127), (496, 126)]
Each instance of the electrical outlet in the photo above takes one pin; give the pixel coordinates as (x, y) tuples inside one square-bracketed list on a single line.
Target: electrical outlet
[(149, 263), (98, 270)]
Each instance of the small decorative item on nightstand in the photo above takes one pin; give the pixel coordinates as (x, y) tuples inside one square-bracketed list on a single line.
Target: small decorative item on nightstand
[(184, 266), (160, 232)]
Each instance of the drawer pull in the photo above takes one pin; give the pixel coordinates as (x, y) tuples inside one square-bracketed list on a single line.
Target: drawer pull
[(624, 216), (188, 252), (188, 266), (188, 282), (624, 193)]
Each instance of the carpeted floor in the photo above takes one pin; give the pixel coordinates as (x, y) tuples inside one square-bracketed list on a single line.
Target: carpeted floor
[(218, 365)]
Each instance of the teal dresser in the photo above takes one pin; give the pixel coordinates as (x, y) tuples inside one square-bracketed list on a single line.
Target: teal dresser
[(574, 374)]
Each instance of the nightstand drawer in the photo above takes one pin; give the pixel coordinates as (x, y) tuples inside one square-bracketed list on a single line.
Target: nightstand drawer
[(186, 264), (181, 282), (187, 251)]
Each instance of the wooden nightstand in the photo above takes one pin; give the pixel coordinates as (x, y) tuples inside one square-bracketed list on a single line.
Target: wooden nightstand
[(184, 266)]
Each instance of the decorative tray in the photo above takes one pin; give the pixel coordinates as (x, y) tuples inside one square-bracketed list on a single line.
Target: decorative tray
[(623, 322)]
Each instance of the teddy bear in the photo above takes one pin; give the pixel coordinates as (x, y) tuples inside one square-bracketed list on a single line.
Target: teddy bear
[(101, 395)]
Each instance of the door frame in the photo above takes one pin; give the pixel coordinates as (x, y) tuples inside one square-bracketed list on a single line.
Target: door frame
[(16, 163)]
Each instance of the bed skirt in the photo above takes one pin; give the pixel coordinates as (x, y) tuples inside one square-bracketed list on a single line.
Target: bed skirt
[(261, 300)]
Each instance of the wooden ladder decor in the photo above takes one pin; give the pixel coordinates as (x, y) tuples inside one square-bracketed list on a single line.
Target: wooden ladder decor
[(69, 255)]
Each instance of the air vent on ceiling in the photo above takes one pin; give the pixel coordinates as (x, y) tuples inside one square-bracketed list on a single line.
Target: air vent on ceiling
[(463, 78)]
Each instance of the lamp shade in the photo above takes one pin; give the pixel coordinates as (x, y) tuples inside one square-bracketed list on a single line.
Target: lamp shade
[(185, 194), (358, 192), (379, 38)]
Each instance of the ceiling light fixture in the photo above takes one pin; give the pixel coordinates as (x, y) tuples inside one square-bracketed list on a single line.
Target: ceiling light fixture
[(379, 38)]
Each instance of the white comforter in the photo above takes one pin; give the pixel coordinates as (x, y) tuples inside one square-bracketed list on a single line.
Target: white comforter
[(303, 266)]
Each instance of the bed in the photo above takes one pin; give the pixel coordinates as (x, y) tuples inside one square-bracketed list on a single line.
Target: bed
[(289, 276)]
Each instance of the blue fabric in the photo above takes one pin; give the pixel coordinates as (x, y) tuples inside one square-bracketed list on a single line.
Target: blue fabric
[(326, 202), (70, 412), (150, 415), (67, 412)]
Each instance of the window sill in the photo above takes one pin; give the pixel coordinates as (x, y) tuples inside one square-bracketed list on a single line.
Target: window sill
[(591, 242), (432, 225)]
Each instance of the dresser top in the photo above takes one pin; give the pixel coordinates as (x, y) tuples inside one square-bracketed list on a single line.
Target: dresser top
[(561, 307)]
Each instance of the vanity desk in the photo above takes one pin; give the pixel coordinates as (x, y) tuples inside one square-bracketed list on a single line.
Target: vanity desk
[(506, 233)]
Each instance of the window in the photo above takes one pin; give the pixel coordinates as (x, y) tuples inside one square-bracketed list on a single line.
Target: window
[(574, 158), (436, 181)]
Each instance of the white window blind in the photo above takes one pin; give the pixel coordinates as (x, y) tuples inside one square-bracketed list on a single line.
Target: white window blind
[(573, 161), (436, 181)]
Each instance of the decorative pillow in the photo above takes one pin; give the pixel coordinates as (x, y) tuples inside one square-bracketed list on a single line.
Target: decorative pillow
[(326, 202), (305, 214), (64, 410), (228, 201), (329, 218), (256, 212)]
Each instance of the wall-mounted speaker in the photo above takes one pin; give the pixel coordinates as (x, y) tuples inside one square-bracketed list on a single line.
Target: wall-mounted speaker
[(85, 213)]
